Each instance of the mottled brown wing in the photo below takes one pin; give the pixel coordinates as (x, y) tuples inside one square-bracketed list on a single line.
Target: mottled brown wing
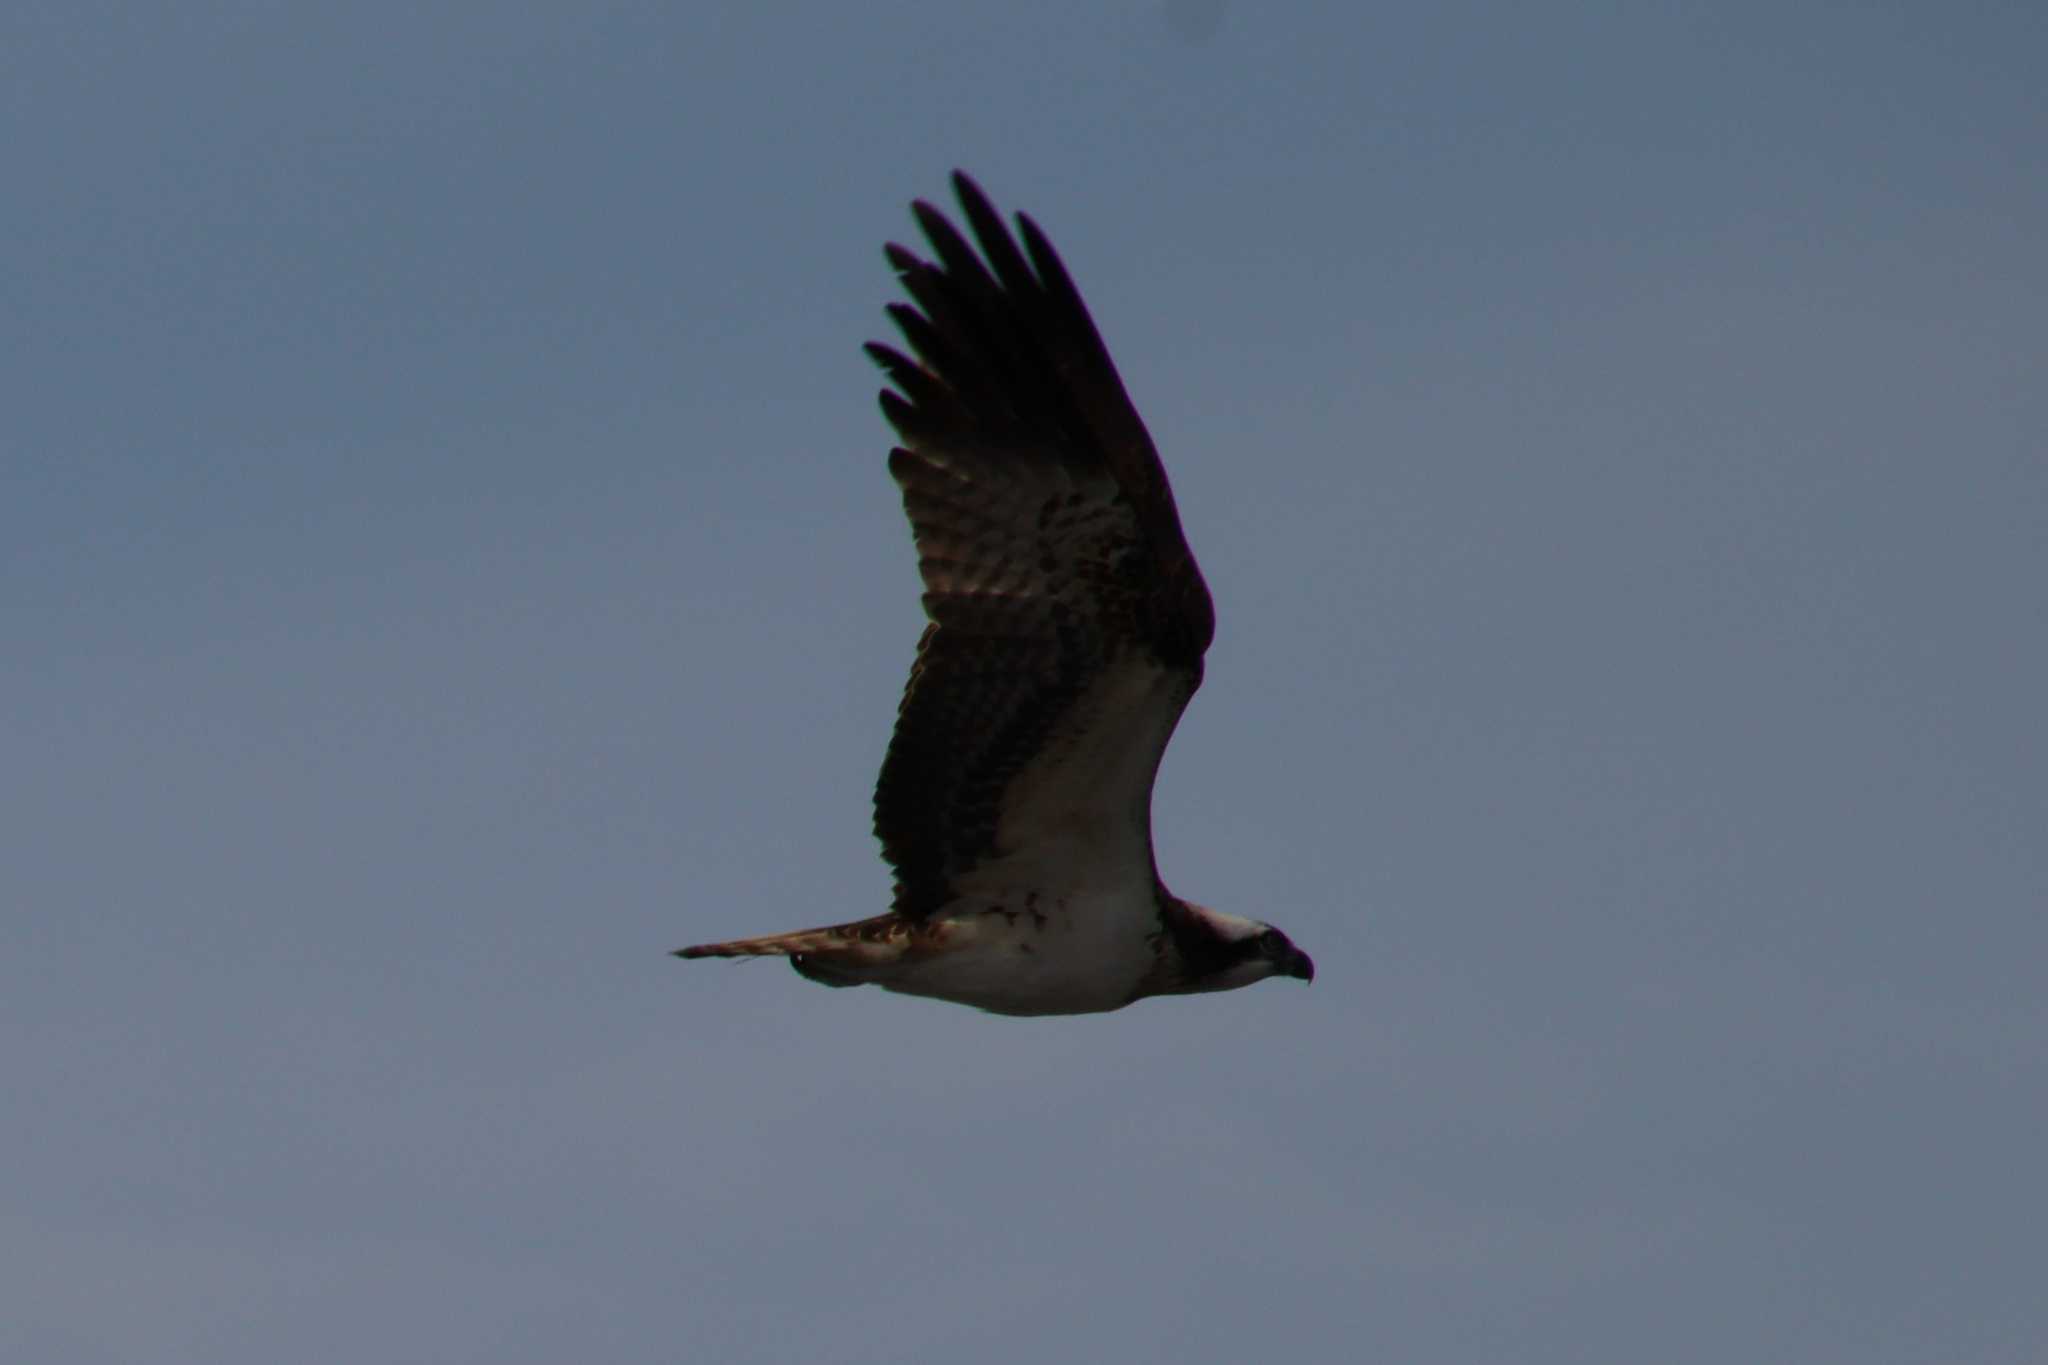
[(1068, 619)]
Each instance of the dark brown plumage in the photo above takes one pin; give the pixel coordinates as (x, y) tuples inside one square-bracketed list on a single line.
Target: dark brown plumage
[(1046, 534)]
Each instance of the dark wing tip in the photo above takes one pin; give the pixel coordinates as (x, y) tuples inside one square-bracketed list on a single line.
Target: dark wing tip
[(901, 258), (897, 409), (972, 197), (1053, 276)]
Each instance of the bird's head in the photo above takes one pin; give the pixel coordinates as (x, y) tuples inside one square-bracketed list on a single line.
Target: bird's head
[(1274, 954), (1228, 951)]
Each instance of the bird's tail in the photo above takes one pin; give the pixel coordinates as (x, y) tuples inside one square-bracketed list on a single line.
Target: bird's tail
[(772, 945), (839, 954)]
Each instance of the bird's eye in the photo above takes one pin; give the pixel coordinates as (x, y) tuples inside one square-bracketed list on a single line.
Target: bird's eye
[(1271, 941)]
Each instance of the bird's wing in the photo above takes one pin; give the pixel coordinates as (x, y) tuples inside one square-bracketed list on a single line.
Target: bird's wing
[(1068, 618)]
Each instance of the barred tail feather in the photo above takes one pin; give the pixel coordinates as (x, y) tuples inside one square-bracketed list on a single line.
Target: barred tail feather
[(837, 955), (768, 945)]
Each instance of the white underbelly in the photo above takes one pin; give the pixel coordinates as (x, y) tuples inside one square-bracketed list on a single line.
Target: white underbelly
[(1020, 953)]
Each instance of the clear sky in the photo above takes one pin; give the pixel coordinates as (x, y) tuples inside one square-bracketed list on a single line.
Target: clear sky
[(446, 562)]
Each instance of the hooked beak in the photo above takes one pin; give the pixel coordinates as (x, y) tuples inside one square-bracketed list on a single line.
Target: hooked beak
[(1301, 966)]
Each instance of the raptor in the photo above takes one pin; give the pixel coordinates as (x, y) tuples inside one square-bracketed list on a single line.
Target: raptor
[(1067, 626)]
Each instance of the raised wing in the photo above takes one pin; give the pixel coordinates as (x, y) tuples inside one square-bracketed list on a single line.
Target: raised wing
[(1068, 619)]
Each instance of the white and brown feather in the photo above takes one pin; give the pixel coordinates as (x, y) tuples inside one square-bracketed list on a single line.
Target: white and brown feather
[(1067, 626)]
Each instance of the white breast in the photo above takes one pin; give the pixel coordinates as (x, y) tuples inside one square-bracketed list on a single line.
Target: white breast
[(1021, 952)]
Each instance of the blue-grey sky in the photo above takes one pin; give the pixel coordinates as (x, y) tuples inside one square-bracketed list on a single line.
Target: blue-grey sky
[(446, 562)]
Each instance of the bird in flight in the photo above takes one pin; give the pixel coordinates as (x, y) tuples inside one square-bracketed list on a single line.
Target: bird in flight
[(1067, 627)]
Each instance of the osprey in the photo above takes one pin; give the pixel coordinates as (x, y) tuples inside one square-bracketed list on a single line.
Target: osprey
[(1067, 627)]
